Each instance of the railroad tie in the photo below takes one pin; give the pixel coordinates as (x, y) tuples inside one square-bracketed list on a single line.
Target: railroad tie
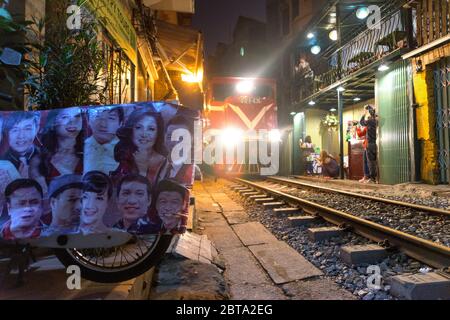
[(324, 233), (245, 191), (302, 220), (264, 200), (258, 196), (283, 211), (271, 205), (248, 194)]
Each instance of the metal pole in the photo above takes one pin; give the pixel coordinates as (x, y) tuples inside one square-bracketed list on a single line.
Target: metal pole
[(341, 132)]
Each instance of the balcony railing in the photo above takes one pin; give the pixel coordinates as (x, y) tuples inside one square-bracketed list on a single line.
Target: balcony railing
[(369, 46)]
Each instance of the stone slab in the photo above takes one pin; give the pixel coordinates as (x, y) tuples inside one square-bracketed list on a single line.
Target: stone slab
[(223, 237), (253, 233), (283, 263), (188, 280), (362, 254), (235, 217), (324, 233), (428, 286)]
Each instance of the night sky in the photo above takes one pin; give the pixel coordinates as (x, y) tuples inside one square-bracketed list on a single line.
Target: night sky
[(217, 18)]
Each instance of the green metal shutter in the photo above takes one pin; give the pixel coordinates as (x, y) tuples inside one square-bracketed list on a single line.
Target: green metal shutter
[(393, 110), (299, 133)]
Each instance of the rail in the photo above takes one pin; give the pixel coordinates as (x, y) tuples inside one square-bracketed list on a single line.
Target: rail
[(435, 255)]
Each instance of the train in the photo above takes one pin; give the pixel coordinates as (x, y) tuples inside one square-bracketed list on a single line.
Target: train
[(240, 109)]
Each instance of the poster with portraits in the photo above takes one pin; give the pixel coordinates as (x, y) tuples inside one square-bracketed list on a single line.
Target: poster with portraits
[(92, 169)]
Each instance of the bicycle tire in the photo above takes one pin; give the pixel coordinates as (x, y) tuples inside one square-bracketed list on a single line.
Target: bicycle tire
[(69, 257)]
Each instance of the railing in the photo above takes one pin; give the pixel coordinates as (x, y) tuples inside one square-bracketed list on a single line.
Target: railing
[(369, 46), (433, 20), (366, 48)]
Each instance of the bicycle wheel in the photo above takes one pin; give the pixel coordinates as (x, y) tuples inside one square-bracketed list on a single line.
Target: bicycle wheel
[(116, 264)]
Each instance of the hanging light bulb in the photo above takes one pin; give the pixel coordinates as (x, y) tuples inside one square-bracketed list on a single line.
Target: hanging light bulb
[(316, 49), (310, 35), (333, 35), (362, 13)]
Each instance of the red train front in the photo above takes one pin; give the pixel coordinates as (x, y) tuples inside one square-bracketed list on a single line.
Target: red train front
[(237, 106)]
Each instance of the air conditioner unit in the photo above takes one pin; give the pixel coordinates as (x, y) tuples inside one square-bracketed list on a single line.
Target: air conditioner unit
[(187, 6)]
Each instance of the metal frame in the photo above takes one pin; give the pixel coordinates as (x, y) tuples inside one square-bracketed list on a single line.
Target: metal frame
[(442, 96)]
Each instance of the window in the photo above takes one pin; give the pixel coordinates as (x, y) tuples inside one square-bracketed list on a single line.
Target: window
[(120, 72)]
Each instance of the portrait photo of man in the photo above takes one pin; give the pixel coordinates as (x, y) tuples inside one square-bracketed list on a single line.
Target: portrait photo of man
[(19, 131), (65, 202), (24, 205), (170, 203), (133, 202), (99, 148)]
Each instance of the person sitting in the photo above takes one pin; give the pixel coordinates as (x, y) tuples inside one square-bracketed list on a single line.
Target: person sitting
[(330, 167)]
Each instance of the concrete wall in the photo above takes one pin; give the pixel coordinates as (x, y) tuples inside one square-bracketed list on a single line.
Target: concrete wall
[(313, 118)]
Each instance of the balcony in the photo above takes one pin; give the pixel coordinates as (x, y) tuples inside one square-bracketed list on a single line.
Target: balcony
[(357, 60)]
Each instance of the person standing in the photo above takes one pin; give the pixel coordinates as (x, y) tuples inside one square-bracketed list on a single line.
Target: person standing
[(362, 132), (369, 120)]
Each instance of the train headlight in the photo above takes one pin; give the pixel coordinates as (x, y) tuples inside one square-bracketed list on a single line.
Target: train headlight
[(245, 87), (231, 136), (275, 135)]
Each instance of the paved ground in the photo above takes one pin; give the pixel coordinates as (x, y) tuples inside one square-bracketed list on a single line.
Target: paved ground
[(258, 266), (47, 280)]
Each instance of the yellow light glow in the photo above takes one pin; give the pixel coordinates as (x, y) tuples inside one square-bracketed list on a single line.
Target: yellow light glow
[(192, 78)]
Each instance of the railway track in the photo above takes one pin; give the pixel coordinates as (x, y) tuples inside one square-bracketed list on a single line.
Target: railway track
[(297, 183), (431, 253)]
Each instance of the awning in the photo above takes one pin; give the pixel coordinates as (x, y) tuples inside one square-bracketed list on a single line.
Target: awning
[(181, 49), (171, 5)]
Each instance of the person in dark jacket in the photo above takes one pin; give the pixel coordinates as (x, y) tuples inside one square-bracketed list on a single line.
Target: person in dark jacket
[(369, 120), (330, 167)]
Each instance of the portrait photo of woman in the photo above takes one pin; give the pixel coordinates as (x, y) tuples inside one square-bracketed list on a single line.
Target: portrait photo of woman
[(62, 140), (95, 196), (140, 149)]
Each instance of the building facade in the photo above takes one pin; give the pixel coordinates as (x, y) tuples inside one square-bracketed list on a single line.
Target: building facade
[(132, 38), (347, 55)]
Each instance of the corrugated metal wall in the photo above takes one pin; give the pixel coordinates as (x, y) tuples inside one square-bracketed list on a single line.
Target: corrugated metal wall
[(393, 109), (299, 133), (286, 153)]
